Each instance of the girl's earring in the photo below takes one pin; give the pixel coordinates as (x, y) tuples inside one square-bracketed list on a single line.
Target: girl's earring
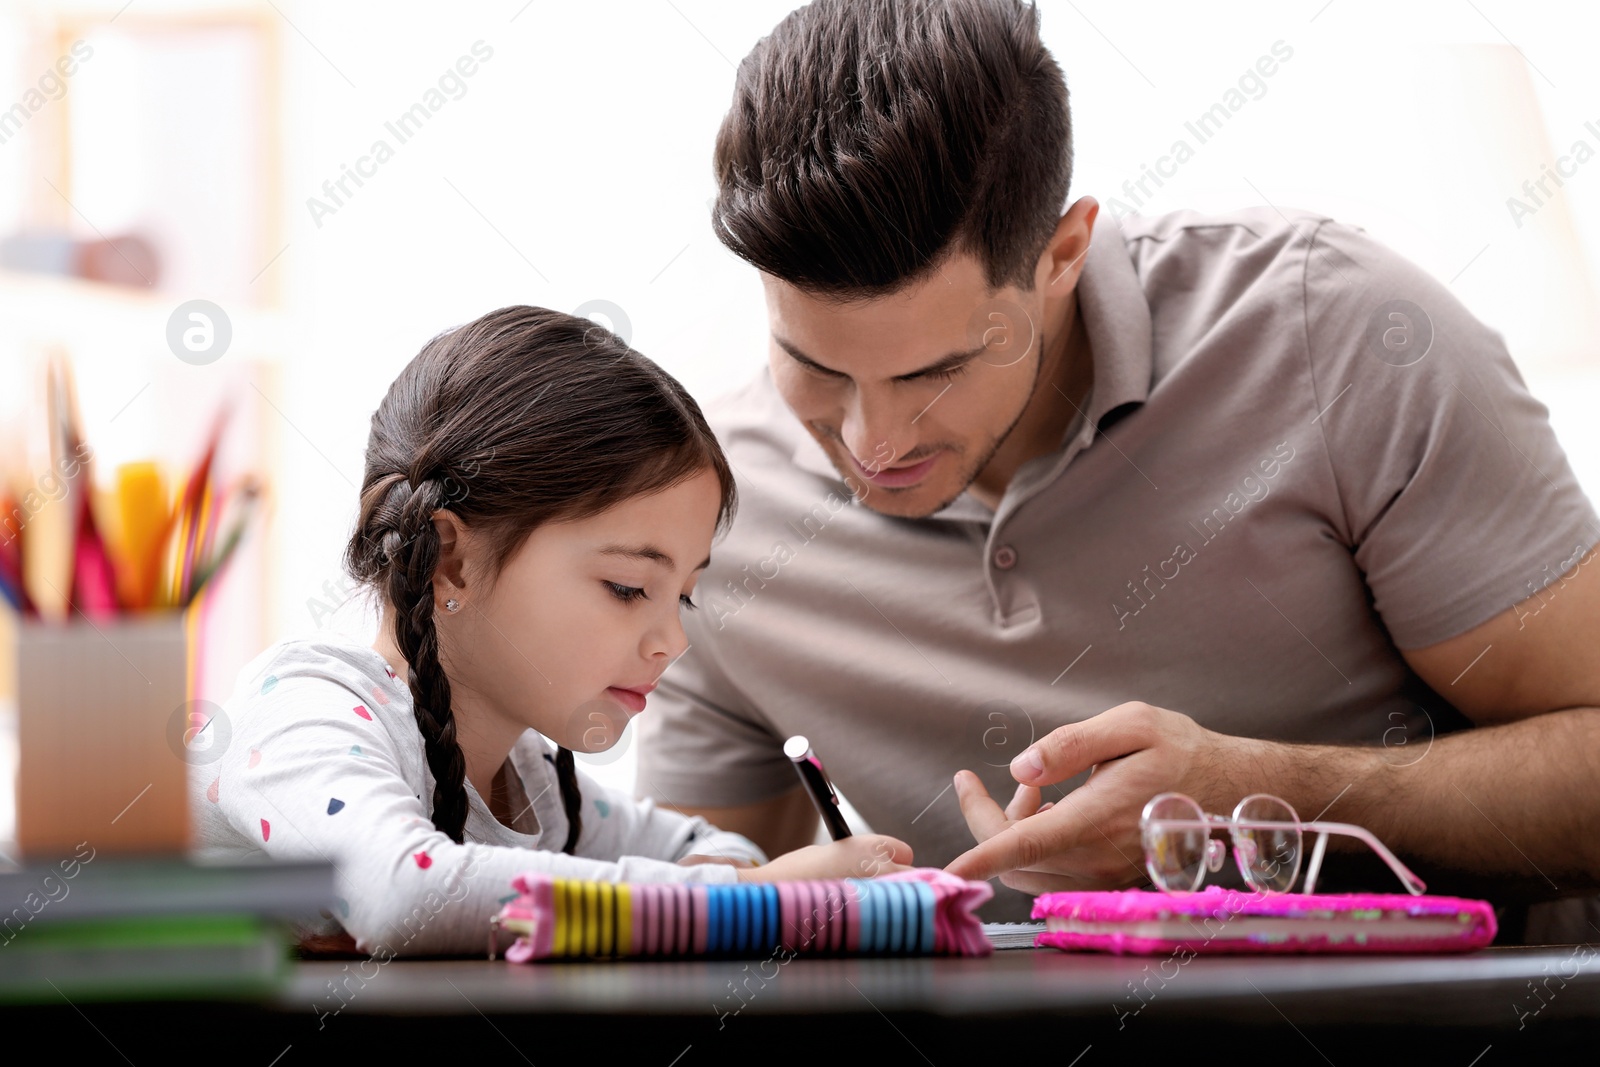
[(452, 605)]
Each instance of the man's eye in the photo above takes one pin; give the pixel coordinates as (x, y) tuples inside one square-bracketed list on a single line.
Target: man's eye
[(952, 372), (625, 593)]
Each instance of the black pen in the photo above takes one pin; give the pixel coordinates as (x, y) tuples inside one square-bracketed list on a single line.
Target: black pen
[(815, 779)]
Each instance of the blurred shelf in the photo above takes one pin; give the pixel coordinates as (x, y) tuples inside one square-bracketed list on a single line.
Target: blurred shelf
[(44, 309)]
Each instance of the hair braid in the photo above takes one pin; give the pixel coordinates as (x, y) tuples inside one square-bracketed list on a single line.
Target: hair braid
[(411, 546), (571, 797)]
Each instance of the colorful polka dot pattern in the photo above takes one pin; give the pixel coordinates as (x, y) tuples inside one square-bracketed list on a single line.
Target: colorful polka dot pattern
[(923, 912), (335, 805)]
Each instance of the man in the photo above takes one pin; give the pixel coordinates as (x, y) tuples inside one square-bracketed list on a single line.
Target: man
[(1215, 505)]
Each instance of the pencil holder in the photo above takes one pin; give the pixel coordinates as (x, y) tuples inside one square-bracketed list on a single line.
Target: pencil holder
[(99, 706)]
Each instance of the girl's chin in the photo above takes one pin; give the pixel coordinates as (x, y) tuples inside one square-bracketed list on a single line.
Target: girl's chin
[(597, 725)]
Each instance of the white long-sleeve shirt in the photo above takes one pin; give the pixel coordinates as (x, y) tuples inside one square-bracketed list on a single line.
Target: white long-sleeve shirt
[(317, 755)]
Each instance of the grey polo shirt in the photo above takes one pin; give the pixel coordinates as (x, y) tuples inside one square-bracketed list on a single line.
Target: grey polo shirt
[(1299, 454)]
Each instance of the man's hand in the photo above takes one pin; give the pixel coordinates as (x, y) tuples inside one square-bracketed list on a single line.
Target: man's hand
[(1511, 800), (1090, 838)]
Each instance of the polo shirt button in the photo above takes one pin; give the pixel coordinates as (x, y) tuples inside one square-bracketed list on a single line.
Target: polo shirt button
[(1005, 557)]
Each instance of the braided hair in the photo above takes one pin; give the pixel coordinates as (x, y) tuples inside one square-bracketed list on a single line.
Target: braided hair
[(522, 417)]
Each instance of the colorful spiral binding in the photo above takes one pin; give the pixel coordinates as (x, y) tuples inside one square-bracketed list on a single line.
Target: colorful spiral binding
[(922, 912)]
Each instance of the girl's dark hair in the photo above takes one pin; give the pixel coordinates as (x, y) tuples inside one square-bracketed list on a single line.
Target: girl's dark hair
[(522, 417)]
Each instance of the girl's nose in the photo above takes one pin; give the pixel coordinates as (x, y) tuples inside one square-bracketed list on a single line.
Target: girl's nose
[(667, 640)]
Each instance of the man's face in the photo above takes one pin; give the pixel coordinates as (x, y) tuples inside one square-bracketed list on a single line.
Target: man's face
[(909, 394)]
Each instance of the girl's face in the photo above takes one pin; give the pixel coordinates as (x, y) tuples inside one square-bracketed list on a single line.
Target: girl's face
[(580, 623)]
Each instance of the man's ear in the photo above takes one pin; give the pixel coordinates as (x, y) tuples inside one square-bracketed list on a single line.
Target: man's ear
[(455, 546), (1062, 261)]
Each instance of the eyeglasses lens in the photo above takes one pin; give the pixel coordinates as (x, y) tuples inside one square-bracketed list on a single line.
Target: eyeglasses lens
[(1175, 855), (1268, 858)]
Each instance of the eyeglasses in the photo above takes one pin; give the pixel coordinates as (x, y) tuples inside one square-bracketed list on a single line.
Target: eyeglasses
[(1267, 837)]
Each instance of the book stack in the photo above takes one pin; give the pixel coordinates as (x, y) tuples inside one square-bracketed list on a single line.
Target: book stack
[(91, 927)]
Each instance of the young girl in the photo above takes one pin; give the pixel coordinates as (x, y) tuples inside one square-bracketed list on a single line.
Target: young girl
[(538, 502)]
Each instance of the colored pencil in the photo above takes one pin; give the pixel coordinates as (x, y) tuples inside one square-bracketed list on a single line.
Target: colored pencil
[(247, 495), (133, 548)]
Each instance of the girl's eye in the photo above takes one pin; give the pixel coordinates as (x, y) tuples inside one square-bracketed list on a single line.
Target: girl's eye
[(625, 593), (628, 594)]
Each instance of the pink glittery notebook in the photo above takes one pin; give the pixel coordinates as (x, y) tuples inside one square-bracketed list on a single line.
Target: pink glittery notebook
[(1137, 922)]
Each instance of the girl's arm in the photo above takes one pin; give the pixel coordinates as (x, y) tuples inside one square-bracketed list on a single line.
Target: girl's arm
[(617, 825), (308, 777)]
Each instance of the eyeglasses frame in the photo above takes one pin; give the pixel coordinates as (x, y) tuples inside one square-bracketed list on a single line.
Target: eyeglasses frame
[(1233, 824)]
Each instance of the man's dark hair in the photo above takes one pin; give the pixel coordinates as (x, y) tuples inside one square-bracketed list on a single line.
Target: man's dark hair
[(868, 139)]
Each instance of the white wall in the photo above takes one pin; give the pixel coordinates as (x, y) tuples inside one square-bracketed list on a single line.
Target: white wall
[(577, 167), (585, 145)]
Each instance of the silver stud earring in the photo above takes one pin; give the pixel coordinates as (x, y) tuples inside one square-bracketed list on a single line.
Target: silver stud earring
[(452, 605)]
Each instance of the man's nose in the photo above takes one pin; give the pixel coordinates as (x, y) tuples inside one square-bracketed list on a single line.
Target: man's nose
[(875, 431)]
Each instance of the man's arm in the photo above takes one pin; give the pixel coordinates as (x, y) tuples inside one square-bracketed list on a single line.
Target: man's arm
[(1514, 799), (779, 825)]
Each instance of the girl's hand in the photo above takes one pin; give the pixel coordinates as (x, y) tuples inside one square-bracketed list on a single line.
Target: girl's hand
[(695, 861), (854, 857)]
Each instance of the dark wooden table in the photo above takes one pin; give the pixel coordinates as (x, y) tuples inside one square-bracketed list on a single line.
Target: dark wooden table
[(1498, 1006)]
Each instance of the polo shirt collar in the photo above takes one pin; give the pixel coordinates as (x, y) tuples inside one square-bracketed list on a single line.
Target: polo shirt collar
[(1116, 318)]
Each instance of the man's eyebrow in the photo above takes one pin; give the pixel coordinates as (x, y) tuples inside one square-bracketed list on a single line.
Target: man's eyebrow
[(953, 360), (646, 552)]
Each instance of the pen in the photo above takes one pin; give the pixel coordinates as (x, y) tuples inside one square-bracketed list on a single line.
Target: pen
[(815, 779)]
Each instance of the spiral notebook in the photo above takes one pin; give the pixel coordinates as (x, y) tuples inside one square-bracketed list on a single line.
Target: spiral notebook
[(921, 912)]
